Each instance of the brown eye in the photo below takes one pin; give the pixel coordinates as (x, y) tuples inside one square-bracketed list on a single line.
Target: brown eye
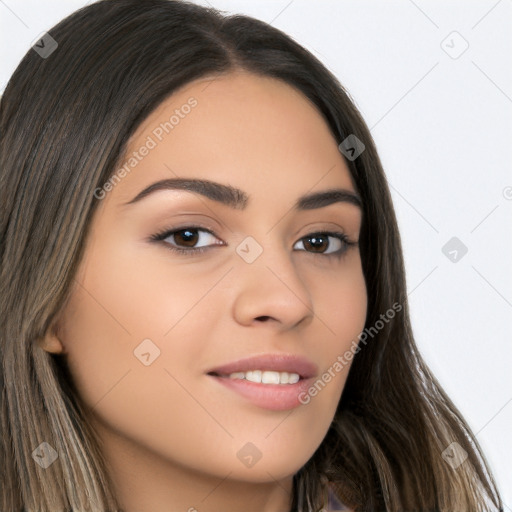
[(318, 243), (187, 237), (186, 240), (329, 244)]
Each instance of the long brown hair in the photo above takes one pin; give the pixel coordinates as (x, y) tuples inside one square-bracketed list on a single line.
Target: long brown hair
[(65, 121)]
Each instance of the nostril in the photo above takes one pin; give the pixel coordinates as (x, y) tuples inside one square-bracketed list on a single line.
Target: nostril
[(265, 317)]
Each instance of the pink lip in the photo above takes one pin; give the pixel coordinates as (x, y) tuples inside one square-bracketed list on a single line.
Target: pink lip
[(274, 362), (274, 397)]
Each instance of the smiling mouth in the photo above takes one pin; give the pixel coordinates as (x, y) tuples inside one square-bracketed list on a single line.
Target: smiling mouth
[(262, 376), (271, 390)]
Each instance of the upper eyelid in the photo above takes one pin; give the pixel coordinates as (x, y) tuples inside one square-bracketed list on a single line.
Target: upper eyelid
[(212, 231), (165, 233)]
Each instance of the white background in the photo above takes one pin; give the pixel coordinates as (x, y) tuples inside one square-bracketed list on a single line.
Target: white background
[(443, 127)]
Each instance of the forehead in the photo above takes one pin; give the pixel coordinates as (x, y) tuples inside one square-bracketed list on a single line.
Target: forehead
[(253, 132)]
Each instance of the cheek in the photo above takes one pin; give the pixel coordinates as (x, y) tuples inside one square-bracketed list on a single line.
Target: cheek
[(349, 309), (125, 316), (340, 305), (156, 405), (341, 308)]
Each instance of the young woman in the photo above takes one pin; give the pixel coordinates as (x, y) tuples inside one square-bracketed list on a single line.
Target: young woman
[(203, 299)]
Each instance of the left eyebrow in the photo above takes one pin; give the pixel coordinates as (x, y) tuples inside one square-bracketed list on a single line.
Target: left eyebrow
[(238, 199)]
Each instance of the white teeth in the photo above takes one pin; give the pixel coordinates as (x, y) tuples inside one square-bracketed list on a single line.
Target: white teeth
[(270, 378), (293, 378), (267, 377), (254, 376)]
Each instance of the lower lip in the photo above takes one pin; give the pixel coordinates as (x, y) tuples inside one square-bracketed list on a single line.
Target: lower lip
[(275, 397)]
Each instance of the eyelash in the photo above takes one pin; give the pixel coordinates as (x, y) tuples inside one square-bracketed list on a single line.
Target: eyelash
[(166, 233)]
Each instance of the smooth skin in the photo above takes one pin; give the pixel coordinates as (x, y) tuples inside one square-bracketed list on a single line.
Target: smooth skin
[(169, 431)]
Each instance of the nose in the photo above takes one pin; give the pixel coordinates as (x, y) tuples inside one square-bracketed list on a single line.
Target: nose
[(270, 290)]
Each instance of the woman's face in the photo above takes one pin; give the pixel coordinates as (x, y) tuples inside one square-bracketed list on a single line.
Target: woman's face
[(146, 325)]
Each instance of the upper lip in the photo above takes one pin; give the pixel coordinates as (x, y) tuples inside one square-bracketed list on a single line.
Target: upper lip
[(274, 362)]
